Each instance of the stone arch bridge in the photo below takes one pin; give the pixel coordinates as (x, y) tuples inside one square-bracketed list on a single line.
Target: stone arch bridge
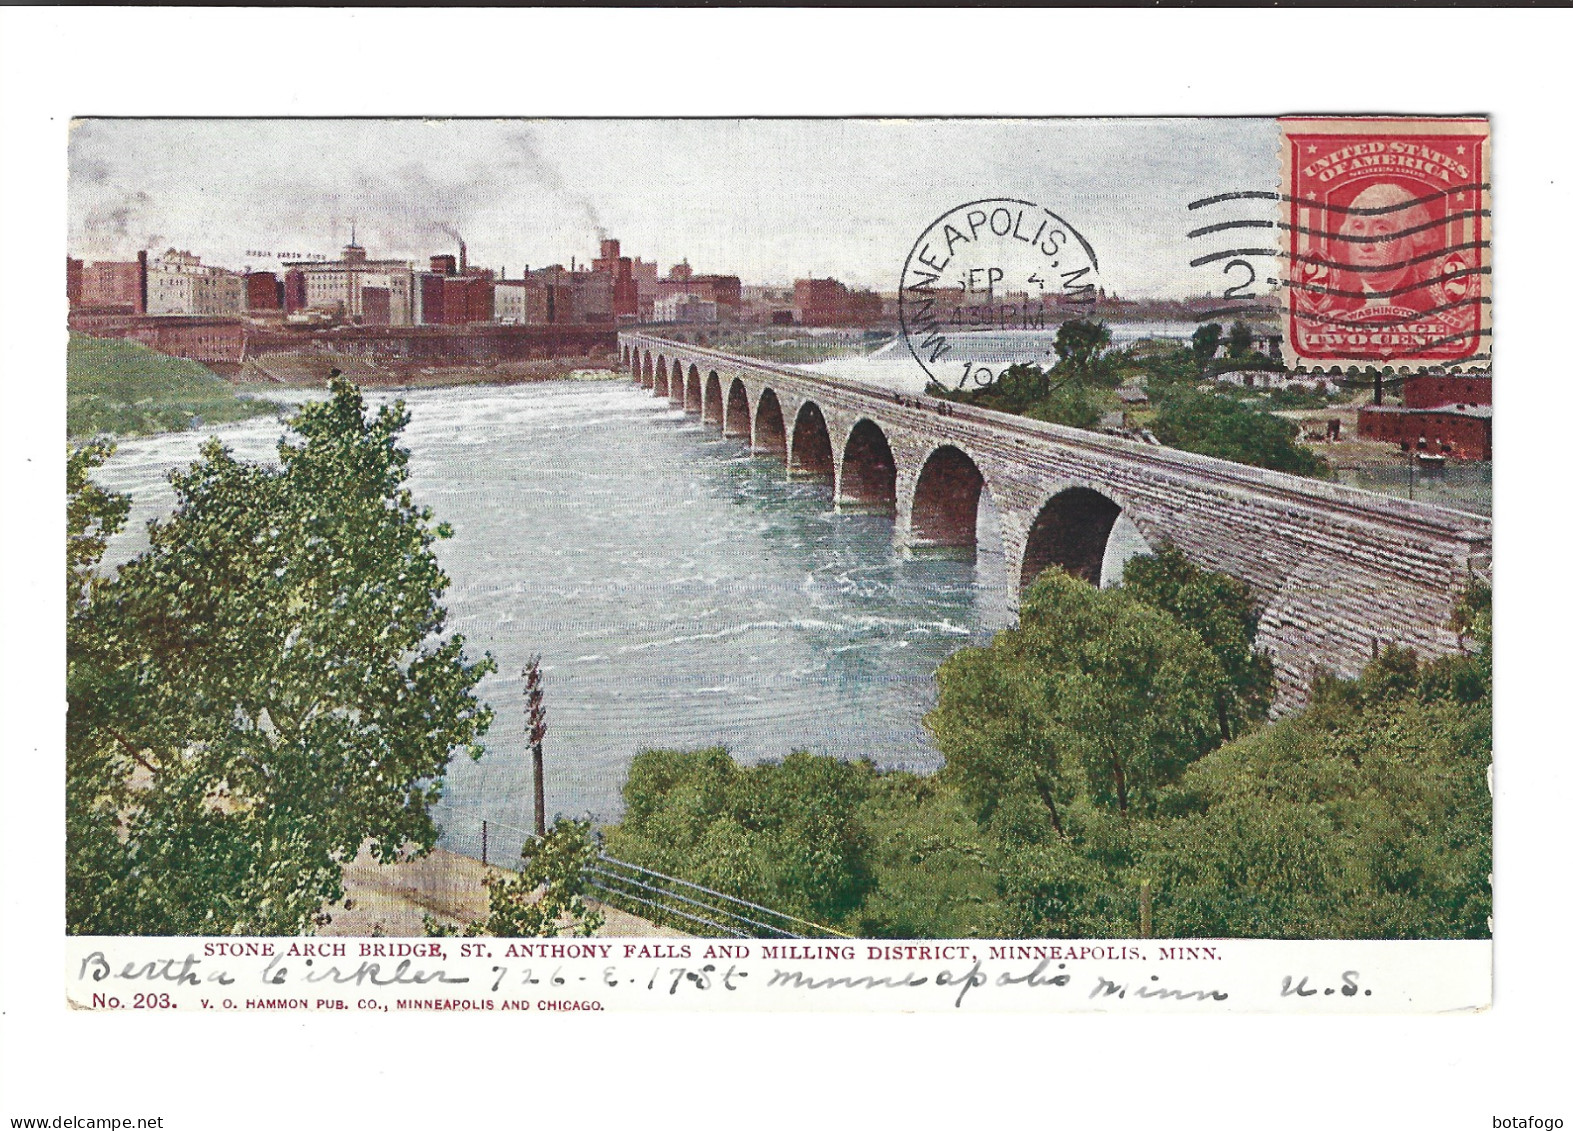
[(1340, 572)]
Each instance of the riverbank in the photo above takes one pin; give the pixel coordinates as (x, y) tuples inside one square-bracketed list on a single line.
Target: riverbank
[(313, 370), (122, 387)]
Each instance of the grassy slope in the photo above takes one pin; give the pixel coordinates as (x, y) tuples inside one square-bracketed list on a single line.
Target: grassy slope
[(123, 387)]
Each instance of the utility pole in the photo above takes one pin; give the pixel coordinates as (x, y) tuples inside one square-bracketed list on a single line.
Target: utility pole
[(533, 695)]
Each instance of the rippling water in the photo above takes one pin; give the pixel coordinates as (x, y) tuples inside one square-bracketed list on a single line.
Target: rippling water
[(681, 592)]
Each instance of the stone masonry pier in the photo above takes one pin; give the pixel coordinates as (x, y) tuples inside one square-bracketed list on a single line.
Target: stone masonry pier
[(1339, 571)]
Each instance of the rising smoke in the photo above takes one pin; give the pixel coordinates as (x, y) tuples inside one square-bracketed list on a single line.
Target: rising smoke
[(220, 187), (527, 156)]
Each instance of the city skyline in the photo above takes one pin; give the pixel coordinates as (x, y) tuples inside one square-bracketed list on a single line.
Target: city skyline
[(765, 199)]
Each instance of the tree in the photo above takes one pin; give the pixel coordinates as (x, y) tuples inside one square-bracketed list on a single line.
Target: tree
[(1240, 337), (1204, 343), (1025, 389), (1223, 612), (264, 690), (1366, 816), (1215, 425), (545, 899), (1078, 342), (1095, 696), (785, 834), (93, 517)]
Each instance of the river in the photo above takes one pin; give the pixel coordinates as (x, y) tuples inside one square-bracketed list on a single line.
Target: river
[(682, 593)]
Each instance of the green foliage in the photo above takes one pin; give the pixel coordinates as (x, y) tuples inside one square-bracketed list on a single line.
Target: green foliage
[(1239, 347), (935, 870), (263, 690), (1224, 614), (118, 386), (1079, 342), (1076, 883), (786, 834), (882, 855), (1294, 398), (545, 899), (1096, 695), (1367, 816), (1212, 424), (1204, 343), (93, 517), (1027, 390)]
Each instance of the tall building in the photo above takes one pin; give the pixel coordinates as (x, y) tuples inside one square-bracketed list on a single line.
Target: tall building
[(619, 269), (684, 307), (343, 286), (454, 294), (116, 286), (263, 291), (73, 281), (178, 283), (827, 302), (726, 291)]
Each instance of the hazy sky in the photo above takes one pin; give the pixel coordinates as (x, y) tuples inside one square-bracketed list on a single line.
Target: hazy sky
[(768, 200)]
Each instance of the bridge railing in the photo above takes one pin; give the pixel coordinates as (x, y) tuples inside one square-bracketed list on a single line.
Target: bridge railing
[(1294, 489)]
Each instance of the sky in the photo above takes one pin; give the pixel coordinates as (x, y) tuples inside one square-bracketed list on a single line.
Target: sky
[(768, 200)]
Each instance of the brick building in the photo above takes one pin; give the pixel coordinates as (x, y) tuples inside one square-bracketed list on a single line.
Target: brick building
[(827, 302), (73, 281), (533, 301), (1460, 431), (263, 291), (294, 291), (202, 339), (551, 295), (453, 293), (1442, 414), (620, 268), (647, 278), (118, 286), (726, 291), (1432, 390)]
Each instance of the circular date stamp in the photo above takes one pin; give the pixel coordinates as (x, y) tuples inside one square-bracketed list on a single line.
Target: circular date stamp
[(985, 269)]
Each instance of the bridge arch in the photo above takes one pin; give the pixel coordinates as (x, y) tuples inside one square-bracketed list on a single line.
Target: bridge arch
[(739, 420), (1071, 530), (628, 358), (770, 426), (812, 455), (695, 393), (945, 500), (660, 376), (715, 409), (648, 377), (675, 389), (868, 470)]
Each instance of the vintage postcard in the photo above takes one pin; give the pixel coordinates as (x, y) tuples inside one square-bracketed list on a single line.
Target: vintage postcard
[(830, 564)]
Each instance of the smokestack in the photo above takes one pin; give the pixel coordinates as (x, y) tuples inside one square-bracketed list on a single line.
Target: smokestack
[(464, 262)]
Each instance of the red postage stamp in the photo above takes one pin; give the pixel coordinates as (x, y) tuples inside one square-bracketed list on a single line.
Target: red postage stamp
[(1386, 238)]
